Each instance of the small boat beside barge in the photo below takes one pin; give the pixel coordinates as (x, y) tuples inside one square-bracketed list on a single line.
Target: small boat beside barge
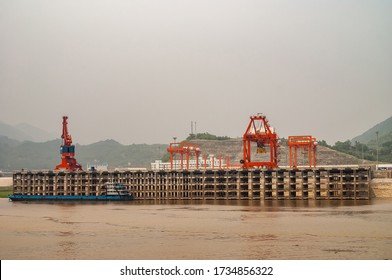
[(110, 192)]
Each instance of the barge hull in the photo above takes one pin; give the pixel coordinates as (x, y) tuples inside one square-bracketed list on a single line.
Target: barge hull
[(68, 198)]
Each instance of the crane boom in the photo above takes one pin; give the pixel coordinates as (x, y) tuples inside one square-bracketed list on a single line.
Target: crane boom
[(65, 136)]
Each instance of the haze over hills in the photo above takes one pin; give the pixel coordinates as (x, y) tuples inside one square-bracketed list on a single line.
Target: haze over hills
[(384, 130), (25, 132), (17, 154)]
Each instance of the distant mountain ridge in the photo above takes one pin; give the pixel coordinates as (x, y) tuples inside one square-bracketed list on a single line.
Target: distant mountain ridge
[(384, 129), (16, 155), (25, 132)]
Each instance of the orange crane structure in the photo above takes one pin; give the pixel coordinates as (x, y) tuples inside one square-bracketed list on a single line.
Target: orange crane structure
[(260, 132), (67, 151), (306, 142), (187, 149)]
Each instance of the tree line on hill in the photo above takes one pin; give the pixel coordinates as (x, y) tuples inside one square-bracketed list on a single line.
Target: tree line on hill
[(364, 151), (205, 136)]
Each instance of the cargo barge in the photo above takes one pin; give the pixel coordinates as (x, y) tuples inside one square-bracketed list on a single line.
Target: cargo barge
[(109, 192)]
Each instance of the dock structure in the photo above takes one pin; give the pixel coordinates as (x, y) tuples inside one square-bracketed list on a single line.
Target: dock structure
[(223, 184)]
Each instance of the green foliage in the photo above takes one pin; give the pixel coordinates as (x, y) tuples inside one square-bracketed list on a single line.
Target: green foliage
[(323, 143), (283, 141), (368, 152), (343, 146), (5, 193), (384, 144), (384, 129), (166, 157), (206, 136)]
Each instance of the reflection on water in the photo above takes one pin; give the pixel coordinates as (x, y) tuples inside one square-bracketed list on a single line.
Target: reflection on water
[(197, 230)]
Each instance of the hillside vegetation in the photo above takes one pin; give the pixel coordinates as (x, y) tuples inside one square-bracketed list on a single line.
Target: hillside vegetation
[(366, 151), (30, 155), (16, 154), (206, 136), (366, 145), (384, 130)]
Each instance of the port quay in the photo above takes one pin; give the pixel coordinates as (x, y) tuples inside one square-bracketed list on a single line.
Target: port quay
[(335, 183)]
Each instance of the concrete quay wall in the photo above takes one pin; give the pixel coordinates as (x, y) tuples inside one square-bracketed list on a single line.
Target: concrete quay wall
[(381, 188), (225, 184)]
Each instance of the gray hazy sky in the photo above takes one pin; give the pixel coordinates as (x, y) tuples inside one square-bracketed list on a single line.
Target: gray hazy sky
[(140, 71)]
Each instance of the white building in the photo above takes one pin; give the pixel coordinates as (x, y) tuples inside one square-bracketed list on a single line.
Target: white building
[(211, 162), (387, 166), (97, 167)]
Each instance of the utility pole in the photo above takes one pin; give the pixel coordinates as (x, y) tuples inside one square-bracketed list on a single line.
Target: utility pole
[(377, 146)]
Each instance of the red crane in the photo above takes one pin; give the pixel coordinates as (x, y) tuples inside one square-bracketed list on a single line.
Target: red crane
[(260, 132), (306, 142), (188, 149), (67, 151)]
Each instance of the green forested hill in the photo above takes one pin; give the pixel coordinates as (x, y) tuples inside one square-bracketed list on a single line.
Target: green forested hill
[(30, 155), (384, 130), (366, 146)]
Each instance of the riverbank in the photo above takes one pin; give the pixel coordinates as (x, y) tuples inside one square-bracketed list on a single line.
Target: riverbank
[(5, 191)]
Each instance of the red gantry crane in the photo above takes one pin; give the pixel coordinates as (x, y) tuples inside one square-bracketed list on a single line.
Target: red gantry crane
[(188, 149), (67, 151), (306, 142), (260, 132)]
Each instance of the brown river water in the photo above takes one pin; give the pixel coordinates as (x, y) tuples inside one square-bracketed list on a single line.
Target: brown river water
[(278, 230)]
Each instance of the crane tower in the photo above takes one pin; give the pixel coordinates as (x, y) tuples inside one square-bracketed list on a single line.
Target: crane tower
[(67, 151)]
